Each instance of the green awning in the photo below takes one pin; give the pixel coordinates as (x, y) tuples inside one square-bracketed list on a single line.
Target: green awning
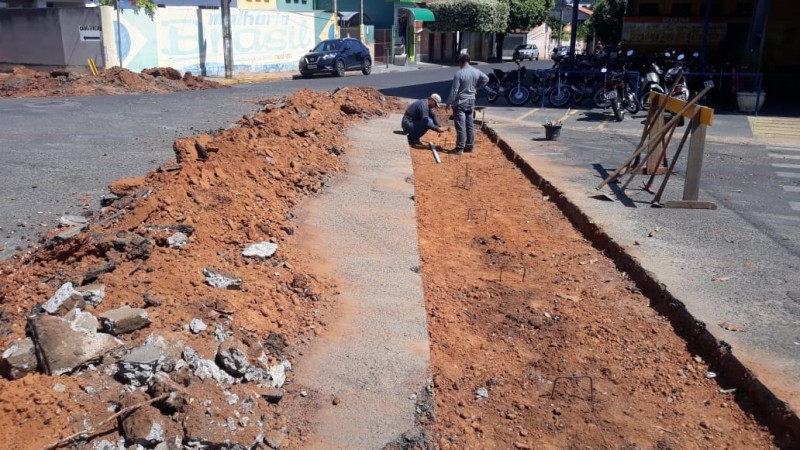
[(420, 14)]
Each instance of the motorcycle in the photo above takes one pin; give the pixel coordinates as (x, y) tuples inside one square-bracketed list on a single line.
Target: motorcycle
[(618, 81), (508, 84), (652, 82)]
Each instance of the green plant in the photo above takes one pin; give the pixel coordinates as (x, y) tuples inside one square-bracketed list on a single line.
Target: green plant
[(149, 6)]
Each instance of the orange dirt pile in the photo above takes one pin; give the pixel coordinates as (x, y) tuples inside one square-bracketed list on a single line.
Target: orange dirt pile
[(24, 82), (225, 191), (561, 309)]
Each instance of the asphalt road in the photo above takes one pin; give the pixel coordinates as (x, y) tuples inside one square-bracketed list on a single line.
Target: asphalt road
[(59, 154)]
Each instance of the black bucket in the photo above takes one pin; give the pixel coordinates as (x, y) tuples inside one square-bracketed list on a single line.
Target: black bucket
[(551, 133)]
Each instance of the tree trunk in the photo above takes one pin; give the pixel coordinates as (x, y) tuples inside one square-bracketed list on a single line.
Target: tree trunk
[(501, 37)]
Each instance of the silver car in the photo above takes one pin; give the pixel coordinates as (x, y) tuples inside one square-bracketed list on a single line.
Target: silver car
[(526, 51)]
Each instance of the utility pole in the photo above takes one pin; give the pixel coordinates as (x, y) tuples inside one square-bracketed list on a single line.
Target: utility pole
[(574, 33), (361, 23), (336, 17), (225, 9), (119, 37), (560, 22)]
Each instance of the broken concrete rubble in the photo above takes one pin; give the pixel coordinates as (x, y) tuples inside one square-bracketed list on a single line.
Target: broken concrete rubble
[(221, 280), (93, 293), (197, 326), (137, 367), (232, 357), (18, 360), (205, 368), (64, 300), (177, 240), (146, 426), (124, 320), (68, 220), (260, 250), (62, 346)]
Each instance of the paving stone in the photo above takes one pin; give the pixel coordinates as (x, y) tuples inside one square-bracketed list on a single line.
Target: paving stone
[(61, 346), (18, 360), (64, 300), (93, 293), (221, 280), (124, 320), (260, 250)]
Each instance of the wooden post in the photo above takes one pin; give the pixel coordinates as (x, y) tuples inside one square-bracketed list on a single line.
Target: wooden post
[(694, 166)]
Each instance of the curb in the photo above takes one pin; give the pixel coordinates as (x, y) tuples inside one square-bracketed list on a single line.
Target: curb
[(752, 395), (295, 76)]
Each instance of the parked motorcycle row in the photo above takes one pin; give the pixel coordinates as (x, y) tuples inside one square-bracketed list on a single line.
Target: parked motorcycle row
[(608, 82)]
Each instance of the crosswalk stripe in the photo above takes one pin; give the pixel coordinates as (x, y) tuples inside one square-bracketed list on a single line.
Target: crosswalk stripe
[(788, 174), (786, 166), (782, 156), (795, 205), (791, 188)]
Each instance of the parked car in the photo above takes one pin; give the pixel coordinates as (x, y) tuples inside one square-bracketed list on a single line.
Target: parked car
[(526, 51), (559, 53), (336, 56)]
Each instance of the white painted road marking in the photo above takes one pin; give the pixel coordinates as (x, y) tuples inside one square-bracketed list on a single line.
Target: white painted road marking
[(788, 174), (788, 149), (795, 205), (786, 166), (780, 156), (791, 188)]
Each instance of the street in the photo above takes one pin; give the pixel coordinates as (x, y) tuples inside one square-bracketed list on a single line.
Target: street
[(737, 264)]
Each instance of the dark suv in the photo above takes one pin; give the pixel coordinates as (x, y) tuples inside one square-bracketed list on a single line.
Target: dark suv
[(336, 56)]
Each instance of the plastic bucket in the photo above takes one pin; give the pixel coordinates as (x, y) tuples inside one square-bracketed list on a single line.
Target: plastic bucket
[(552, 133)]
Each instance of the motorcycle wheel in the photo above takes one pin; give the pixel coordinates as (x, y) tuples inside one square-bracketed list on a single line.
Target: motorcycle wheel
[(518, 95), (619, 112), (577, 97), (491, 97), (600, 98), (536, 95), (644, 100), (632, 104), (560, 96)]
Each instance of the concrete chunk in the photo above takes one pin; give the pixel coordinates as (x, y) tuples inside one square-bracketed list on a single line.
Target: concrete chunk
[(177, 240), (93, 293), (204, 368), (260, 250), (64, 300), (137, 367), (232, 357), (62, 346), (69, 220), (18, 360), (124, 320), (222, 280)]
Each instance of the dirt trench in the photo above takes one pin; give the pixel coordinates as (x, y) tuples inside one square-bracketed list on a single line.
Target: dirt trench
[(538, 340)]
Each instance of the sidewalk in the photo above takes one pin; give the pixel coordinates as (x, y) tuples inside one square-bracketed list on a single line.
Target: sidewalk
[(265, 77)]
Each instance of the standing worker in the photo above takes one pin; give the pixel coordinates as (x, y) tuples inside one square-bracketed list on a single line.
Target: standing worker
[(466, 82), (420, 117)]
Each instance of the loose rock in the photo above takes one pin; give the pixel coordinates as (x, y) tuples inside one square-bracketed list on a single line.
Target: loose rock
[(232, 357), (124, 320), (222, 280), (197, 326), (18, 360), (204, 368), (61, 346), (64, 300), (260, 250), (93, 294), (177, 240)]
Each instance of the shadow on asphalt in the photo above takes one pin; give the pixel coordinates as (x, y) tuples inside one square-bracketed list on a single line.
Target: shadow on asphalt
[(615, 188)]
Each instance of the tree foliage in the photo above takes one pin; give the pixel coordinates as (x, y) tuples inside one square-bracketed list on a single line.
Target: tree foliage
[(526, 14), (606, 20), (469, 15), (149, 6)]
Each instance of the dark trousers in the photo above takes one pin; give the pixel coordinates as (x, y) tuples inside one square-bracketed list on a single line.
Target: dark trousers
[(416, 130)]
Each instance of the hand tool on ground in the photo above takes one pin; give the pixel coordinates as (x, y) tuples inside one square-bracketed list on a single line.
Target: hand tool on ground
[(435, 153)]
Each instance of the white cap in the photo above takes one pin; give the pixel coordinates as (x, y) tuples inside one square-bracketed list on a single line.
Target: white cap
[(436, 99)]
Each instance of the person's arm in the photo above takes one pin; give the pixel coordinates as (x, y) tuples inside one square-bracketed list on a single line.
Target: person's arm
[(483, 80), (435, 119), (451, 99)]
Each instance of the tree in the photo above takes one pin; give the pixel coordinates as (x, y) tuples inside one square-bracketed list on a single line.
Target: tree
[(606, 20), (149, 6), (490, 16), (523, 15)]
